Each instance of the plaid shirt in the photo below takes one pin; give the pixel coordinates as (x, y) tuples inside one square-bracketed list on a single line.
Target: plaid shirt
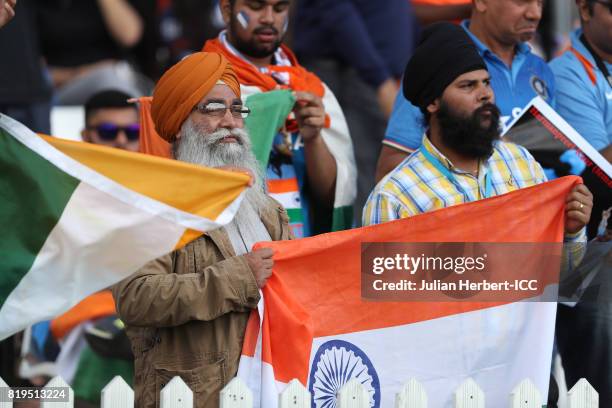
[(417, 186)]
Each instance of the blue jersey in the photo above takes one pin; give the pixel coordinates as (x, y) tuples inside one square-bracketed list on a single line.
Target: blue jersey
[(514, 87), (286, 177), (584, 97)]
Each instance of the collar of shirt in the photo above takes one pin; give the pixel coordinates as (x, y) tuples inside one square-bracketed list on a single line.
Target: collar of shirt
[(579, 46), (427, 145), (522, 49)]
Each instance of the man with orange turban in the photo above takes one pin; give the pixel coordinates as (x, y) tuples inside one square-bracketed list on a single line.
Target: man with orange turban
[(186, 312), (311, 168)]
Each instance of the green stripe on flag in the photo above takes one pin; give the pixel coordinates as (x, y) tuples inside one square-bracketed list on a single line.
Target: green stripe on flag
[(295, 214), (33, 194), (269, 111), (342, 218)]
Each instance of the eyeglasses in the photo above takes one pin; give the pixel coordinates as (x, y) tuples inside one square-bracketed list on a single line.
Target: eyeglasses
[(108, 131), (605, 3), (217, 110)]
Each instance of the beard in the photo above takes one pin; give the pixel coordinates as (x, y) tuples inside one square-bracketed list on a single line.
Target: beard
[(199, 147), (251, 47), (470, 136)]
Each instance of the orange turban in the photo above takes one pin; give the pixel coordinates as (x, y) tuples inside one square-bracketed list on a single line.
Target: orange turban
[(184, 85)]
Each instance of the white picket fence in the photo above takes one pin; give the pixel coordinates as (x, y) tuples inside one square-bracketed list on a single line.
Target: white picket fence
[(176, 394)]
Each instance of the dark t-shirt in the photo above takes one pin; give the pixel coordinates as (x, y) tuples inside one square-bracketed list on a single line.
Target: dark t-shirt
[(376, 40), (73, 33), (21, 70)]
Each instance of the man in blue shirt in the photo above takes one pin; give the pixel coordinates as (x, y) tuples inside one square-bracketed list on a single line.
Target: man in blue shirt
[(584, 98), (500, 30), (584, 94)]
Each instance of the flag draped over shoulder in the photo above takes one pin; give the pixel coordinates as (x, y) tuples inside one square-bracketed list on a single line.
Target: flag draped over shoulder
[(79, 217), (314, 325)]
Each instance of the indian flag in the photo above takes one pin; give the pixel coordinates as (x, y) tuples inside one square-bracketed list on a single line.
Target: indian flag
[(78, 218), (314, 324), (336, 137)]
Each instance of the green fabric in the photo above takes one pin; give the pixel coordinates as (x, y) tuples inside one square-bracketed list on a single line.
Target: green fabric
[(33, 195), (342, 218), (269, 111), (94, 372), (295, 214)]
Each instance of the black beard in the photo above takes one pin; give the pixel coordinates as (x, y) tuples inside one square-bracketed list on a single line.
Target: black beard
[(467, 135), (250, 48)]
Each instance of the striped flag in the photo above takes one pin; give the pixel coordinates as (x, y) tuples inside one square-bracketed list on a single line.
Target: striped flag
[(315, 326), (78, 217), (336, 138)]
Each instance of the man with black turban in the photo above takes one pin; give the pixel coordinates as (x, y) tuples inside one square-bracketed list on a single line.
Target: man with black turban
[(186, 313), (462, 158), (500, 30)]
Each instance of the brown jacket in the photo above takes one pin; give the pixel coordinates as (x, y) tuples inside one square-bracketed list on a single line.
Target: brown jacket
[(186, 314)]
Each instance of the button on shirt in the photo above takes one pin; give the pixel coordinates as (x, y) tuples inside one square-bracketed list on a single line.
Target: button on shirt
[(514, 88), (586, 105)]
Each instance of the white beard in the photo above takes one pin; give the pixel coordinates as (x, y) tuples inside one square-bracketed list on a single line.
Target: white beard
[(207, 149)]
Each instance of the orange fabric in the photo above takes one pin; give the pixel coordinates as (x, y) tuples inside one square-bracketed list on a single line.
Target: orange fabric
[(150, 142), (588, 67), (300, 79), (92, 307), (184, 85), (329, 266), (282, 186), (248, 74)]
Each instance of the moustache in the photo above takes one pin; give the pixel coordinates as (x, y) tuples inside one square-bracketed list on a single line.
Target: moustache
[(265, 30), (218, 135), (489, 108)]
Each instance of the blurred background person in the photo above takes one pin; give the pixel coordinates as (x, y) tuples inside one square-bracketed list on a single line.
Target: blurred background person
[(110, 120), (87, 43), (584, 76), (584, 90), (359, 48), (184, 26), (7, 11), (584, 98), (25, 92)]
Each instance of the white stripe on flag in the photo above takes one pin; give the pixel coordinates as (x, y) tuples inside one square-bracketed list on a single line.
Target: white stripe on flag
[(442, 353), (288, 200), (98, 241)]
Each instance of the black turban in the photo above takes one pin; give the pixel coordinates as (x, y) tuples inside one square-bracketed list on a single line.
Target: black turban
[(445, 51)]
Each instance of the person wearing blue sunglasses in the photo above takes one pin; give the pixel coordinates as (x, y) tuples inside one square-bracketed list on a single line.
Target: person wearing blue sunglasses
[(111, 120)]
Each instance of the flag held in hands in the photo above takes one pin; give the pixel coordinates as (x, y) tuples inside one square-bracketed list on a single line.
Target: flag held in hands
[(78, 218), (314, 323)]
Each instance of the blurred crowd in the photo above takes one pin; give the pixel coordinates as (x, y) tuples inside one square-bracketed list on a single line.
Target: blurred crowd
[(98, 54), (61, 52)]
